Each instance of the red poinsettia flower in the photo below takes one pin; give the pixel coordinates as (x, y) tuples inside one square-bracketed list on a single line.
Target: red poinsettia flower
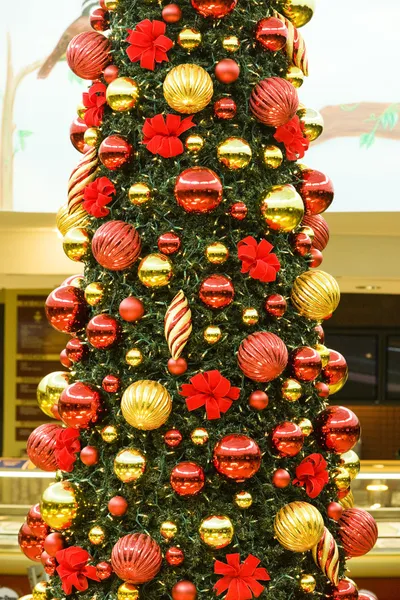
[(96, 195), (148, 44), (240, 580), (312, 473), (94, 100), (212, 390), (257, 259), (161, 135), (73, 569), (292, 136), (67, 446)]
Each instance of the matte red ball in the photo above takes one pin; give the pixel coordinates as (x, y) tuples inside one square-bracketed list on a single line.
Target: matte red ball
[(316, 191), (281, 478), (272, 34), (184, 590), (100, 19), (53, 543), (35, 522), (177, 366), (258, 400), (316, 258), (136, 558), (114, 152), (50, 565), (320, 333), (131, 309), (89, 455), (79, 405), (217, 291), (337, 429), (216, 9), (358, 532), (103, 331), (225, 109), (64, 360), (275, 305), (116, 245), (110, 73), (76, 350), (287, 438), (76, 133), (66, 309), (336, 371), (171, 13), (320, 228), (237, 457), (345, 590), (301, 243), (227, 70), (238, 211), (117, 506), (174, 556), (334, 510), (306, 363), (187, 479), (169, 243), (104, 570), (41, 446), (88, 54), (198, 190), (274, 101), (173, 438), (262, 356), (30, 544), (322, 389), (111, 384)]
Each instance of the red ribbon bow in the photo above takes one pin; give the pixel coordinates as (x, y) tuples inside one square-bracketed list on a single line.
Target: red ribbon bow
[(212, 390), (73, 569), (94, 100), (292, 136), (96, 195), (67, 446), (148, 44), (312, 473), (161, 135), (257, 259), (240, 579)]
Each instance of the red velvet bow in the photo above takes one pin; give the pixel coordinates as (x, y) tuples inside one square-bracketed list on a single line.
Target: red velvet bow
[(161, 135), (67, 446), (212, 390), (96, 195), (292, 136), (73, 569), (148, 43), (312, 473), (94, 100), (240, 579), (257, 259)]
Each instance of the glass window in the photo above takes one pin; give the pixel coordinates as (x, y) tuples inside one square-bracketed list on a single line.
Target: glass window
[(393, 368)]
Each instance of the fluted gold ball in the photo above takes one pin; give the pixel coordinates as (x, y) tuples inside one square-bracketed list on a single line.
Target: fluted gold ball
[(194, 143), (324, 353), (307, 583), (291, 390), (231, 43), (134, 357), (299, 12), (243, 500), (109, 434), (129, 465), (199, 436), (168, 530), (351, 463), (313, 123), (96, 535), (58, 505), (146, 404), (188, 88), (347, 501), (217, 253), (282, 208), (212, 334), (272, 156), (295, 76), (250, 316), (76, 243), (39, 592), (342, 478), (127, 591), (306, 426), (155, 270), (189, 38), (66, 221), (92, 136), (216, 531), (234, 153), (315, 294), (94, 293), (139, 193), (122, 94), (298, 526)]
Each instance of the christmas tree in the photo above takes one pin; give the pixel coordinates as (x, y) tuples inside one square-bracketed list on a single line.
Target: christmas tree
[(197, 454)]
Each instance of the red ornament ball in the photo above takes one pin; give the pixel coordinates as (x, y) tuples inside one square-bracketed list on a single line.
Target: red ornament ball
[(334, 510), (272, 34), (174, 556), (258, 400), (117, 506), (88, 54), (89, 455), (275, 305), (111, 384), (35, 522), (30, 544), (217, 291), (306, 363), (316, 191), (320, 333), (320, 228), (66, 309), (225, 108), (238, 211), (366, 595), (103, 331), (64, 360), (116, 245), (198, 190), (110, 73), (184, 590), (74, 280), (131, 309), (274, 101), (53, 543), (301, 244), (227, 70), (237, 457), (187, 479), (171, 13), (169, 243), (41, 446), (358, 532), (322, 389), (173, 438), (79, 405), (216, 9), (345, 590), (76, 350), (262, 356), (114, 152), (136, 558), (177, 366), (281, 478), (287, 438), (104, 570), (337, 429), (50, 565), (316, 258), (335, 373), (99, 19), (76, 133)]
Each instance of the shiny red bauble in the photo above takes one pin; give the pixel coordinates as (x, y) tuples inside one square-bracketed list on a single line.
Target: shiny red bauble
[(49, 565), (358, 532), (316, 191), (345, 590), (320, 333), (169, 243), (316, 258), (225, 109), (238, 211), (287, 438), (173, 438), (116, 245), (131, 309), (88, 54), (136, 558), (366, 595), (76, 350), (35, 522), (274, 101), (337, 429), (258, 400), (271, 34), (184, 590), (187, 479), (114, 152), (334, 510), (79, 405), (174, 556), (275, 305), (306, 363), (111, 384), (301, 243), (335, 373), (66, 309), (53, 543), (30, 544), (99, 19), (110, 73), (103, 570), (41, 446), (281, 478), (216, 9), (227, 70), (89, 455), (177, 366), (74, 280), (217, 291), (171, 13), (320, 228), (237, 457), (262, 356), (322, 389), (198, 190), (64, 360), (117, 506), (76, 133), (103, 331)]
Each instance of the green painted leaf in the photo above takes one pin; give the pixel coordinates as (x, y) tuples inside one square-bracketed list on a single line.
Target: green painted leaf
[(367, 139)]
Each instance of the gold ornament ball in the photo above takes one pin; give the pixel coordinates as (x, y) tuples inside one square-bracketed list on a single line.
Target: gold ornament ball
[(55, 385), (351, 463), (127, 591), (188, 88), (66, 220), (217, 253), (139, 193), (272, 156), (109, 434), (308, 231), (155, 270), (216, 531), (122, 94), (212, 334), (234, 153), (199, 436), (324, 353), (282, 208), (315, 294), (94, 293), (307, 583), (194, 143), (58, 505), (299, 12), (26, 597), (250, 316), (313, 124), (111, 4), (298, 526), (146, 404), (39, 592), (189, 38), (305, 426), (97, 535), (168, 530), (76, 243), (129, 465), (291, 390), (243, 500), (134, 357), (41, 396), (80, 110), (295, 76), (92, 136), (347, 501), (231, 43), (342, 479)]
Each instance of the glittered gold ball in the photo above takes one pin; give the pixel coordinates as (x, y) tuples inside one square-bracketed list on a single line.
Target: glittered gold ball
[(298, 526), (96, 535), (342, 478), (146, 404), (250, 316), (313, 123), (234, 153), (134, 357), (127, 591), (212, 334), (189, 38), (199, 436), (129, 465), (58, 505), (92, 136), (299, 12), (305, 426), (139, 193), (243, 500), (76, 243), (217, 253), (94, 293), (295, 76), (188, 88), (291, 390), (272, 156), (347, 501), (216, 531), (155, 270), (282, 208), (39, 592), (315, 294), (231, 43), (351, 463), (122, 94), (109, 434), (194, 143), (66, 220), (307, 583), (168, 530), (324, 353)]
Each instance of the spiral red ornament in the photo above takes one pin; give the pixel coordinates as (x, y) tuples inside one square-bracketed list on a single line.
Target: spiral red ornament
[(326, 556), (88, 54), (116, 245), (136, 558), (66, 309), (262, 356), (41, 446), (83, 174), (30, 544), (274, 101), (358, 532), (320, 228)]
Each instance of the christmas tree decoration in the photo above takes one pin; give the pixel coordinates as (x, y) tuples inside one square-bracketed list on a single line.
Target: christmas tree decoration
[(146, 405), (306, 426), (337, 429), (30, 544), (76, 351), (188, 88), (79, 405), (66, 309), (301, 244), (74, 280), (295, 76), (250, 316), (41, 446), (187, 479), (216, 531), (184, 590), (238, 211), (168, 530), (39, 592), (110, 73), (139, 193), (217, 291), (111, 384), (122, 94), (351, 463), (198, 190), (110, 5), (272, 156), (129, 465), (109, 434), (155, 270), (76, 243), (134, 357), (316, 258), (324, 353), (117, 506), (281, 478), (234, 153), (127, 591), (173, 438), (116, 245), (336, 372), (275, 305), (231, 43), (227, 71), (194, 143), (312, 124), (73, 569), (282, 208), (97, 535), (99, 19), (237, 457), (76, 134), (131, 309), (199, 436), (295, 47), (35, 522), (347, 501), (298, 526), (271, 34), (67, 447), (83, 174), (88, 54), (287, 439), (178, 324), (366, 595), (225, 108), (58, 505), (316, 190), (92, 136), (320, 230), (94, 293), (291, 135), (114, 152), (212, 390), (242, 580), (53, 542), (291, 390), (89, 455), (274, 101), (312, 473), (217, 253), (307, 583), (258, 400), (306, 363), (345, 590), (178, 366), (262, 356), (334, 510), (243, 500), (136, 558), (103, 331), (171, 13), (215, 10), (315, 294), (174, 556), (49, 391), (341, 479), (212, 334), (103, 570), (300, 12), (189, 38), (148, 44), (358, 532), (66, 221), (161, 134)]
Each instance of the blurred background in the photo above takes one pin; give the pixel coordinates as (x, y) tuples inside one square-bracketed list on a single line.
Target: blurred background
[(353, 50)]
